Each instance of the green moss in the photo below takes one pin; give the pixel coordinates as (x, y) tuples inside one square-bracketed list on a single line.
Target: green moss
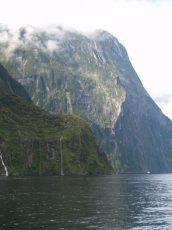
[(32, 141), (30, 137)]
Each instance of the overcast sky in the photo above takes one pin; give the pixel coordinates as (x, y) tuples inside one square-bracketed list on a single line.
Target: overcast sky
[(144, 27)]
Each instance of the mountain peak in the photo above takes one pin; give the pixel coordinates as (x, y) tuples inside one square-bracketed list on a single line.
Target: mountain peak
[(91, 75), (101, 35), (9, 86)]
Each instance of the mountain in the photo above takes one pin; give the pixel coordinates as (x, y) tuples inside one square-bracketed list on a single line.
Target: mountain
[(34, 142), (65, 71)]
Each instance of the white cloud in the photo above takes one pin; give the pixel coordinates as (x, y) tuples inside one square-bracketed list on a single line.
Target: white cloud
[(52, 45), (143, 26)]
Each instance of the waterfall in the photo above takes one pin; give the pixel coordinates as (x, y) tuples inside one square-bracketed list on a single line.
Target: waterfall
[(61, 157), (24, 62), (69, 103), (5, 168)]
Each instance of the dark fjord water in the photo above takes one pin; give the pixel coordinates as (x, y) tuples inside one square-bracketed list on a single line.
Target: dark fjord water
[(81, 203)]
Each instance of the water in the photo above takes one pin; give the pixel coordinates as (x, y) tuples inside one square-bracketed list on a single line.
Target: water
[(3, 164), (138, 202)]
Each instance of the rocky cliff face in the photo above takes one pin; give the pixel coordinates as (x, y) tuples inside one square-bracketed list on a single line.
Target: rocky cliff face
[(33, 142), (91, 76)]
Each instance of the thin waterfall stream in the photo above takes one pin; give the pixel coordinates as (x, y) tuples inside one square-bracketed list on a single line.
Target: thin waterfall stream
[(61, 157), (5, 168)]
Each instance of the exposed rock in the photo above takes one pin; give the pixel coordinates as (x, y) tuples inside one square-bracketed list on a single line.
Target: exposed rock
[(30, 138), (91, 76)]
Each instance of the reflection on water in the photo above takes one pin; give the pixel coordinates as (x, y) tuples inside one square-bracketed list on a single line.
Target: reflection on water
[(74, 203)]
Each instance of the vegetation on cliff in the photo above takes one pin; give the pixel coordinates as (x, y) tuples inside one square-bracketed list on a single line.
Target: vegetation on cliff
[(91, 76), (34, 142)]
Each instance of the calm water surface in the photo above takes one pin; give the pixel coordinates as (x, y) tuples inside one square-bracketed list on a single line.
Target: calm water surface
[(113, 202)]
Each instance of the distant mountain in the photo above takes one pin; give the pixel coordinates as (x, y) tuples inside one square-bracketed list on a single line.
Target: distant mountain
[(91, 76), (33, 142)]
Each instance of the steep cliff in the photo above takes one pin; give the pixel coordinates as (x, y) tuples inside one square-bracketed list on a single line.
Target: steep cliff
[(33, 142), (91, 76)]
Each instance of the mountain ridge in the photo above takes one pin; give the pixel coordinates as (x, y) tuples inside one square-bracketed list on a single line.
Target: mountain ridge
[(93, 77), (34, 142)]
